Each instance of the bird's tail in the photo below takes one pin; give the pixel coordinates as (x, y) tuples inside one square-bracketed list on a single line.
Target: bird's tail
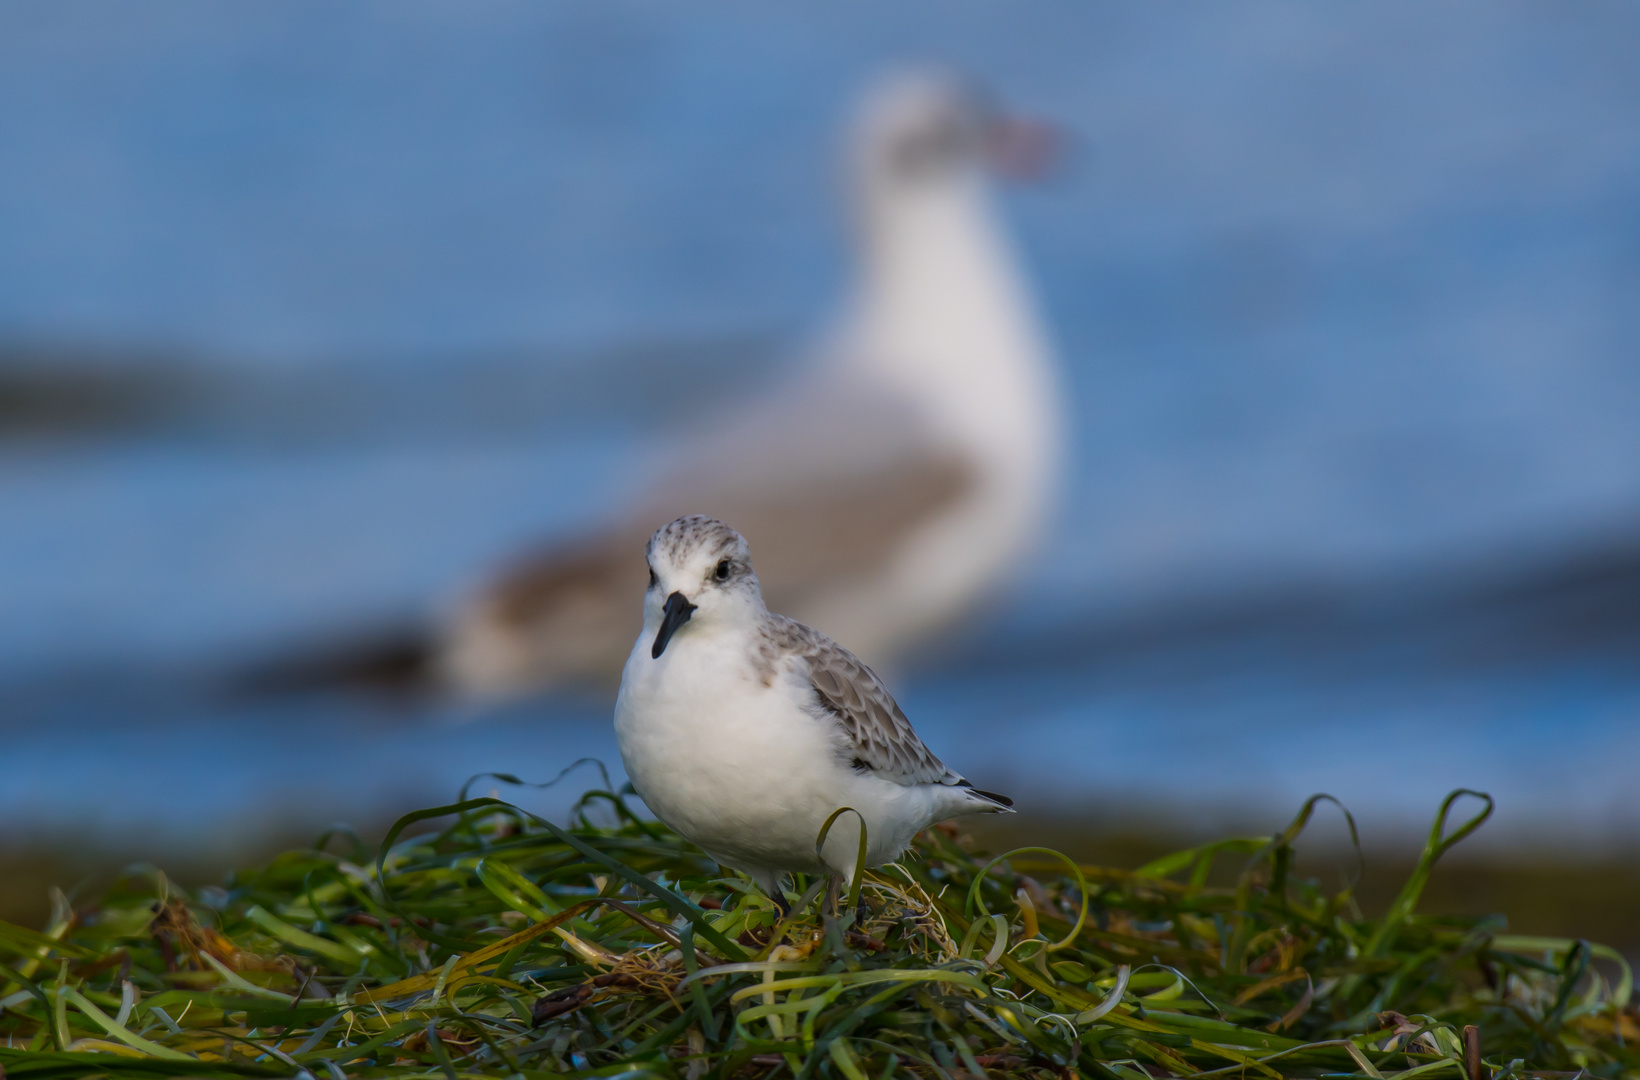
[(988, 802), (394, 661)]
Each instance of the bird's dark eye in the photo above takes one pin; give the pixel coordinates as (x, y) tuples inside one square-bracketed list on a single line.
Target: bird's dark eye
[(722, 571), (653, 580)]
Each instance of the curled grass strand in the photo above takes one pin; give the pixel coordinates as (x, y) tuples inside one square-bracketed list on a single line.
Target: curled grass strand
[(486, 941)]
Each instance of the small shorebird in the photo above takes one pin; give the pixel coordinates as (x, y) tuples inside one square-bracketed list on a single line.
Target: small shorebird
[(745, 731), (894, 482)]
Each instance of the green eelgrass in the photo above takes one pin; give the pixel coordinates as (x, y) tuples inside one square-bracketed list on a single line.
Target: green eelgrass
[(504, 945)]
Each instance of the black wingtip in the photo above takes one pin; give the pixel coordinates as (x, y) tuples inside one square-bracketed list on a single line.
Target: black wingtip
[(1001, 800), (396, 663)]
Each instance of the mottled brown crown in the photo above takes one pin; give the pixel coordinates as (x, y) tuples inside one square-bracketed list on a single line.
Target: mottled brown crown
[(694, 534)]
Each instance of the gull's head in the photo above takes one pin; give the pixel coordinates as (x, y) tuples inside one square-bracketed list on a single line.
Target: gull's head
[(700, 573), (929, 130)]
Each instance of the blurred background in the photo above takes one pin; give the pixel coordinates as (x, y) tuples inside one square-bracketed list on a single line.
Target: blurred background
[(310, 314)]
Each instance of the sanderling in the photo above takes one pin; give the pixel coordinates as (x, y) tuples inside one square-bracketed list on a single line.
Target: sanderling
[(887, 488), (745, 731)]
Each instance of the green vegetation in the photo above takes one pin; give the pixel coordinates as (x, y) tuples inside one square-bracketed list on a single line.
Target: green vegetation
[(503, 945)]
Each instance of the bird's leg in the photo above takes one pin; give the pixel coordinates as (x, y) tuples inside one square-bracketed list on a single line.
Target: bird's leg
[(833, 891), (772, 883)]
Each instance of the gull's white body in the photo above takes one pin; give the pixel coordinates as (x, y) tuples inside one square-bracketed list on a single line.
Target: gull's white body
[(892, 485), (942, 323)]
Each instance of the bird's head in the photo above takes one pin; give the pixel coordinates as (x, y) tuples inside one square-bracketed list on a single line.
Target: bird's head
[(929, 130), (700, 573)]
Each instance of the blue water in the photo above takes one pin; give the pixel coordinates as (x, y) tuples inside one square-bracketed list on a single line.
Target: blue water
[(1346, 298)]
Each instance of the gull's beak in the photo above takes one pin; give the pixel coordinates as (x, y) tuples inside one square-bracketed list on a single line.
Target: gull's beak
[(1022, 148), (677, 613)]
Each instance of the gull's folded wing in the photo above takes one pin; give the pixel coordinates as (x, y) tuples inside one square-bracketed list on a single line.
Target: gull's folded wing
[(827, 492)]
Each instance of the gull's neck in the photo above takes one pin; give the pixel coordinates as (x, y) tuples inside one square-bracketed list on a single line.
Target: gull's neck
[(942, 314)]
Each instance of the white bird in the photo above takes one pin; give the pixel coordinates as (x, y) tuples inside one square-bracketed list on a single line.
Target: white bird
[(892, 484), (744, 731)]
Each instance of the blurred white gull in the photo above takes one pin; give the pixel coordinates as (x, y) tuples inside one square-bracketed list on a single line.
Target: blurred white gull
[(892, 484)]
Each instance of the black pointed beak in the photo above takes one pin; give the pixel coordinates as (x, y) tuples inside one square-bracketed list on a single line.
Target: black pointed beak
[(677, 613)]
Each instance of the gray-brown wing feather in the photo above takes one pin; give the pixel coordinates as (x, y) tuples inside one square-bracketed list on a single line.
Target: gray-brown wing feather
[(570, 613), (879, 735)]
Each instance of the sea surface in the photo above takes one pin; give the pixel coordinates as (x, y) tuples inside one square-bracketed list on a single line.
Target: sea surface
[(311, 312)]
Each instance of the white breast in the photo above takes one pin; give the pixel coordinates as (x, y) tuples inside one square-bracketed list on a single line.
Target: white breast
[(719, 756), (750, 770), (943, 320)]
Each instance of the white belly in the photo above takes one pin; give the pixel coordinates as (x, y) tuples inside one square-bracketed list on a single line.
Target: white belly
[(744, 770)]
